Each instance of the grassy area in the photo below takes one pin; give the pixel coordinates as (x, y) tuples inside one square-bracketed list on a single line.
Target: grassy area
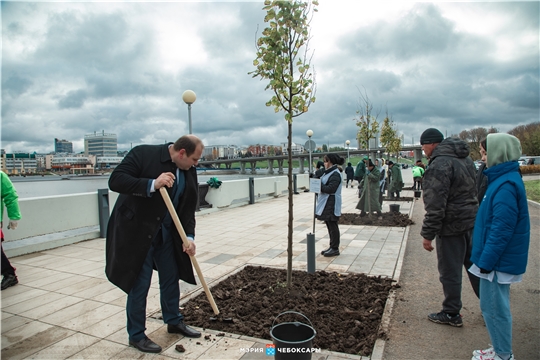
[(533, 190)]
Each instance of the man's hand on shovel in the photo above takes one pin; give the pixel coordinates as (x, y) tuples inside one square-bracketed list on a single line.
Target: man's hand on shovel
[(191, 250)]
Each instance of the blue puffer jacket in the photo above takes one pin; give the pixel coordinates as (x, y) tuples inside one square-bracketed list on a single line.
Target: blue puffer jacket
[(502, 227)]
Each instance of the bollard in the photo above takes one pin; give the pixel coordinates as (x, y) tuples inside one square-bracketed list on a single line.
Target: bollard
[(310, 253), (103, 208), (295, 191), (252, 190)]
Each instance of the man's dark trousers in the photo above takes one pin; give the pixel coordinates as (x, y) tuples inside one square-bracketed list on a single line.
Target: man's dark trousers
[(453, 252), (162, 254), (7, 269)]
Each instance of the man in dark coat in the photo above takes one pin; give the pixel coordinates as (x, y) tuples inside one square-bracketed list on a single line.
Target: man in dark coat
[(141, 235), (451, 204), (349, 171)]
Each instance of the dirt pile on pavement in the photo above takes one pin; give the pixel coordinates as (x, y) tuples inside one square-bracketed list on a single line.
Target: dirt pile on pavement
[(345, 309), (395, 219)]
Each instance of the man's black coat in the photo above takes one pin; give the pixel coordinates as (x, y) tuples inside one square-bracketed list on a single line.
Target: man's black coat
[(136, 217)]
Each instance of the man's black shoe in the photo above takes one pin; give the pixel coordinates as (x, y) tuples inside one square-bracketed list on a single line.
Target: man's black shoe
[(146, 345), (331, 252), (9, 280), (325, 250), (183, 329)]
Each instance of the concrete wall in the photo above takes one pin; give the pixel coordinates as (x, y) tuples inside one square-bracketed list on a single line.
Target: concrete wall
[(53, 221), (236, 192)]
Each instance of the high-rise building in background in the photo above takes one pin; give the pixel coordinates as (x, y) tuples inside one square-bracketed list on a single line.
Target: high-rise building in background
[(100, 144), (63, 146)]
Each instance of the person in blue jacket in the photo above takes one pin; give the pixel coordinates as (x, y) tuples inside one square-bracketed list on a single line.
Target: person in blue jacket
[(500, 241)]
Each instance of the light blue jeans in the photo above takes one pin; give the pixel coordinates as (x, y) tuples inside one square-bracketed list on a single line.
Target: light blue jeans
[(495, 305)]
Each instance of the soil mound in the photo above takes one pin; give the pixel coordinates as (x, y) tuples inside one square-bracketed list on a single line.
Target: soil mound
[(345, 309), (395, 219)]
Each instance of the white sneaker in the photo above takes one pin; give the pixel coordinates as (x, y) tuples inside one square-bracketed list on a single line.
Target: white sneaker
[(492, 356), (485, 352)]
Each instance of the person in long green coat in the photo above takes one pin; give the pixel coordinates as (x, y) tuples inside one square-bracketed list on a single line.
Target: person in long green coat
[(396, 180), (360, 171), (10, 200), (369, 198)]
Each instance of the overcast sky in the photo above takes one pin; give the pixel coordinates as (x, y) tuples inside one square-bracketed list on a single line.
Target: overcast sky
[(72, 68)]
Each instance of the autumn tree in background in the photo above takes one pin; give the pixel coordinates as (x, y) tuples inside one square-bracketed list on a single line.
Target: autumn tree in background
[(284, 58), (389, 136), (366, 120), (529, 136), (473, 138)]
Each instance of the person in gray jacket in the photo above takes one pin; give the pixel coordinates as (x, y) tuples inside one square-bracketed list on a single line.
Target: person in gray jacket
[(328, 207), (450, 201)]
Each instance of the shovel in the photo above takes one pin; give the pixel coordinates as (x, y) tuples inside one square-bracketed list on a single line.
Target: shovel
[(185, 241)]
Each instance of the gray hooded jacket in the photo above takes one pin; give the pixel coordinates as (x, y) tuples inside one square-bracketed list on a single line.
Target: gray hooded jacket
[(450, 194)]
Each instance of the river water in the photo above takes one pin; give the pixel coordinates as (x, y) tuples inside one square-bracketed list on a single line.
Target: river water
[(52, 185)]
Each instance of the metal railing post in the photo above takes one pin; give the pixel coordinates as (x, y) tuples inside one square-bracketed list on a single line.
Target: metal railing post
[(103, 207), (252, 190), (310, 253)]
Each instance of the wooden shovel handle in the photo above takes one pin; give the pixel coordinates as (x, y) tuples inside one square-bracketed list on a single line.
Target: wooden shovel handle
[(183, 236)]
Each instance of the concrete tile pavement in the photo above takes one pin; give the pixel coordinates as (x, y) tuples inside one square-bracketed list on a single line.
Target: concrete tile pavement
[(64, 307)]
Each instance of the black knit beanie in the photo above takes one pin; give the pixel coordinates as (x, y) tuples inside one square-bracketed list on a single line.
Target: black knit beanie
[(335, 159), (431, 136)]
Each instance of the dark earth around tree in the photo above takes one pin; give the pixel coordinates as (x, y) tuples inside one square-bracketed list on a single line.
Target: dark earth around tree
[(344, 309), (395, 219)]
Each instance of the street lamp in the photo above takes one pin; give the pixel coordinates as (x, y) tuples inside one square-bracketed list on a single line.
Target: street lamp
[(309, 134), (189, 98), (347, 143)]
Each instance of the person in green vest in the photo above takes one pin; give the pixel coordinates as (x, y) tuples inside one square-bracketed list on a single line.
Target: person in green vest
[(418, 174), (360, 171), (10, 200), (369, 198), (396, 180)]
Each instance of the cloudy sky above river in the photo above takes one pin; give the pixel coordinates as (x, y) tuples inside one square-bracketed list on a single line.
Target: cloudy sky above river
[(72, 68)]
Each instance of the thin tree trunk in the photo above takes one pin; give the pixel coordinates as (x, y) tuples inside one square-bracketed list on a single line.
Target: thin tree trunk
[(291, 217)]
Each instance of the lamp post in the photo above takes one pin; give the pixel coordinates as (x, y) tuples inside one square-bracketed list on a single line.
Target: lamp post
[(189, 98), (309, 134), (347, 143)]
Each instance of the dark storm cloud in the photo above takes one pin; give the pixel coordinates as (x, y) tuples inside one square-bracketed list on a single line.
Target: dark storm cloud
[(90, 41), (73, 99), (15, 85)]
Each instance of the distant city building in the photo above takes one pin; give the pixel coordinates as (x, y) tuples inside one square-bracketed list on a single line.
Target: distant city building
[(108, 162), (101, 144), (296, 149), (76, 164), (63, 146), (264, 150), (214, 152), (19, 163)]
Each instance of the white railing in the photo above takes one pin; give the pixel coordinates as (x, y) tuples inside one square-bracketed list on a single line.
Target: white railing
[(53, 221)]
